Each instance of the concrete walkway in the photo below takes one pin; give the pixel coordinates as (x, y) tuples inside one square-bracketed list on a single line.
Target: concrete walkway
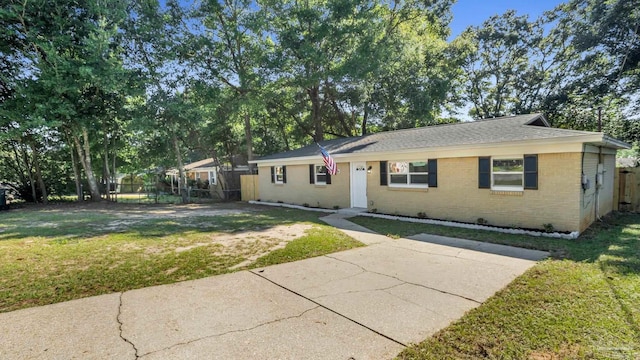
[(365, 303)]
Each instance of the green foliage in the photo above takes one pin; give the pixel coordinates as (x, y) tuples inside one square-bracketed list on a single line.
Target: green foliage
[(147, 85), (376, 65)]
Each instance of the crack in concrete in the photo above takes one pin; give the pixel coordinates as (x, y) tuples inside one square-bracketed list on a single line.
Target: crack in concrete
[(232, 331), (120, 324), (358, 291), (328, 281), (416, 304), (408, 282), (333, 311), (456, 256)]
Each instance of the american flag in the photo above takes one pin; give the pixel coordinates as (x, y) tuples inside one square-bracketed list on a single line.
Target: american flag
[(329, 163)]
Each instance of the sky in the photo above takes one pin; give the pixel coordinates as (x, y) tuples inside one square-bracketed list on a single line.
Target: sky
[(475, 12)]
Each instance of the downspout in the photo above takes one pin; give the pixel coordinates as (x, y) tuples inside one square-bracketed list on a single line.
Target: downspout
[(583, 183), (599, 183)]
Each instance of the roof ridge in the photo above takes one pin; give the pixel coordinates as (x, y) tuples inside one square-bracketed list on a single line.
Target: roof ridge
[(508, 117)]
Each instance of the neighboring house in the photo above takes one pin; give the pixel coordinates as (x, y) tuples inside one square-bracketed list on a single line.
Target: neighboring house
[(512, 171), (204, 175)]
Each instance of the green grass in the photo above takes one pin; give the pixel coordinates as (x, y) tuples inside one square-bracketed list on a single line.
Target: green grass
[(318, 241), (50, 254), (583, 303)]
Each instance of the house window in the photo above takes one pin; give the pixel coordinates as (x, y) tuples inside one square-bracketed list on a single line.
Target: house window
[(321, 174), (507, 174), (408, 174), (279, 174), (212, 178)]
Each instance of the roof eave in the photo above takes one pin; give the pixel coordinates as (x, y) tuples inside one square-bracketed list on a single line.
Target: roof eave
[(615, 143), (595, 138)]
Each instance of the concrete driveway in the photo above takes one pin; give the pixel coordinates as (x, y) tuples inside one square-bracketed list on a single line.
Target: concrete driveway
[(365, 303)]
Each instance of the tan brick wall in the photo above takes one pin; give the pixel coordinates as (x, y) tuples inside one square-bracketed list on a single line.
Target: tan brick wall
[(299, 191), (458, 198), (559, 199)]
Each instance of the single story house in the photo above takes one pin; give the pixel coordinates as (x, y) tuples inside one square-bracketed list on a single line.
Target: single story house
[(513, 171), (203, 175)]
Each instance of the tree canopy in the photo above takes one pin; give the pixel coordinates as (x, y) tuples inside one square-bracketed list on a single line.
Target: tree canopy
[(93, 88)]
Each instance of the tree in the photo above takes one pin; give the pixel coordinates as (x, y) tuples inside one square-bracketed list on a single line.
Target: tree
[(229, 51), (343, 59), (164, 116), (76, 81), (503, 47), (607, 34)]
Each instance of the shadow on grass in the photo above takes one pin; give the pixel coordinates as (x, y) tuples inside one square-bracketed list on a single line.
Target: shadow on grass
[(62, 226), (581, 305), (613, 241)]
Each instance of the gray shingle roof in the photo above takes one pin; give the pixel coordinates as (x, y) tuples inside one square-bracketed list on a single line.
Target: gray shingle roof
[(488, 131)]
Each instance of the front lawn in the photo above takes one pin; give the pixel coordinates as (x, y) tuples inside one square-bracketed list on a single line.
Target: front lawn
[(583, 303), (62, 252)]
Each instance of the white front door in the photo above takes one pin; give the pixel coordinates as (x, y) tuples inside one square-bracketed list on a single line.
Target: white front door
[(359, 184)]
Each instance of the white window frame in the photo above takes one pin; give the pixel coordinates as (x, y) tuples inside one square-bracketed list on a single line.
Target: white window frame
[(507, 187), (213, 177), (408, 174), (316, 173), (281, 175)]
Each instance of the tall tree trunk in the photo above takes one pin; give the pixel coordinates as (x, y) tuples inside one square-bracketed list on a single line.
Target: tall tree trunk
[(84, 154), (176, 147), (16, 164), (365, 118), (314, 96), (76, 174), (114, 175), (284, 135), (28, 166), (249, 138), (36, 165), (221, 175), (105, 174)]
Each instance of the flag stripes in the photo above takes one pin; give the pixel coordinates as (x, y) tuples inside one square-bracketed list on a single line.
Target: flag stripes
[(329, 163)]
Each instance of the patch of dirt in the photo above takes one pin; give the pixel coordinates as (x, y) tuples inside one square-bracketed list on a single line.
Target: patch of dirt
[(45, 224), (143, 211), (253, 244), (118, 225), (567, 351), (248, 243)]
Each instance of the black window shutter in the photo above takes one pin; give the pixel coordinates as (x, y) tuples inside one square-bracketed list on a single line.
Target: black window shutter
[(312, 175), (328, 178), (284, 174), (484, 172), (383, 173), (531, 172), (432, 166), (273, 174)]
